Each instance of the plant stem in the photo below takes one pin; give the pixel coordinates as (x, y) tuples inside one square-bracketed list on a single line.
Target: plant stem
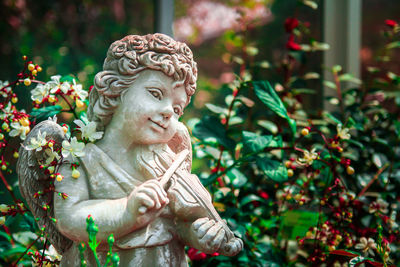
[(373, 179), (71, 109), (23, 254), (9, 188), (339, 93)]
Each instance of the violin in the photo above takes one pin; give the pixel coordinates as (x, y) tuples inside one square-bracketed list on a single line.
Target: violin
[(189, 199)]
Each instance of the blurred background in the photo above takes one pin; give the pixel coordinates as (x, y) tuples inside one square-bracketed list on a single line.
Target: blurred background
[(72, 37), (228, 38)]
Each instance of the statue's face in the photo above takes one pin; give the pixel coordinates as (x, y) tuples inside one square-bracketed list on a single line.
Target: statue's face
[(150, 108)]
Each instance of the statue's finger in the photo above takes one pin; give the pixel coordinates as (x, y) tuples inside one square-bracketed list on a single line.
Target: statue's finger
[(199, 222), (155, 185), (217, 240), (203, 229), (153, 195), (146, 200)]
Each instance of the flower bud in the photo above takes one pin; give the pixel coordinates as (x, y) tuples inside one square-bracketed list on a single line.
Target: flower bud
[(24, 122), (51, 99), (350, 170), (2, 220), (75, 174), (50, 169), (27, 81), (14, 99), (79, 103), (16, 155), (111, 240), (31, 67), (59, 177), (115, 259), (3, 208), (290, 172), (39, 69), (305, 131)]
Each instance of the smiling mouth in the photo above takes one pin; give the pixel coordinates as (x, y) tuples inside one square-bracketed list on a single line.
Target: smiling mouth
[(158, 124)]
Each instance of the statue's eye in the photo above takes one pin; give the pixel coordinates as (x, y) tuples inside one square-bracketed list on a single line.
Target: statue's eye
[(156, 93), (178, 111)]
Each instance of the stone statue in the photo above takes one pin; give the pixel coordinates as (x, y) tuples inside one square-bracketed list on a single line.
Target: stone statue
[(136, 180)]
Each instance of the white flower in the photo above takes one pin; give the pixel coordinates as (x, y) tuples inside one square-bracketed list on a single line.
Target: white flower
[(74, 148), (54, 119), (366, 245), (308, 157), (50, 254), (40, 92), (51, 155), (89, 130), (36, 143), (379, 205), (78, 91), (7, 111), (343, 133), (55, 84), (19, 130), (6, 90)]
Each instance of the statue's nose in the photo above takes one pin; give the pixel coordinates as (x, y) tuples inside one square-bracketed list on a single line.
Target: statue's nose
[(167, 112)]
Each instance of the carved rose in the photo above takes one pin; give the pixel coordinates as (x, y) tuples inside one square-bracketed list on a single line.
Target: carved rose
[(118, 49), (185, 50), (162, 43), (137, 43)]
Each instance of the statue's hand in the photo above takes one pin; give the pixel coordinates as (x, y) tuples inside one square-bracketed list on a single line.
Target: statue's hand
[(210, 234), (150, 196), (232, 247)]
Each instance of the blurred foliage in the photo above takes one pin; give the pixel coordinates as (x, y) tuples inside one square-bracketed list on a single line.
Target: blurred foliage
[(302, 186)]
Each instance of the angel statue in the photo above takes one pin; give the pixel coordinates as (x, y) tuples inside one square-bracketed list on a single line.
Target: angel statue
[(136, 179)]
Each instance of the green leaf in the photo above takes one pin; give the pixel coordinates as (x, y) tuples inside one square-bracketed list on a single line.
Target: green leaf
[(392, 45), (13, 251), (269, 223), (68, 78), (210, 126), (332, 118), (330, 84), (297, 91), (255, 142), (397, 127), (336, 68), (344, 252), (45, 112), (269, 125), (5, 236), (216, 109), (356, 143), (273, 169), (310, 3), (250, 198), (311, 75), (347, 77), (269, 97), (237, 178)]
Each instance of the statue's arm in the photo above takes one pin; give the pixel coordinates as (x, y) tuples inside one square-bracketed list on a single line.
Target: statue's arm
[(117, 216)]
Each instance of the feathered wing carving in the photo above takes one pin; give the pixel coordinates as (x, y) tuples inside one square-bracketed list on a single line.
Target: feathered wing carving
[(32, 180)]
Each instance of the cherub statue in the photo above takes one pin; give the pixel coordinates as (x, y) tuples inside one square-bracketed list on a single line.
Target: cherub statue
[(136, 180)]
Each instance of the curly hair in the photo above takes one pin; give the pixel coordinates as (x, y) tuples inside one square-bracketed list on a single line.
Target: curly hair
[(129, 56)]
